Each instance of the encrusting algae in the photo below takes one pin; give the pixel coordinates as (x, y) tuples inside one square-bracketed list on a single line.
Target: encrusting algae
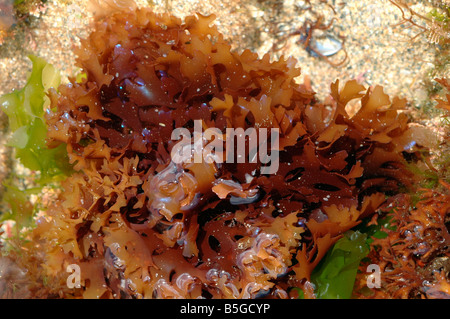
[(141, 226)]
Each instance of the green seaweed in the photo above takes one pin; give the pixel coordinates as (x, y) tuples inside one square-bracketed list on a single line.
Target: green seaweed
[(335, 275), (25, 109)]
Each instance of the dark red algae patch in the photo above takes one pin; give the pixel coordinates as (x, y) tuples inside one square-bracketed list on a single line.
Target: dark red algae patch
[(140, 225)]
